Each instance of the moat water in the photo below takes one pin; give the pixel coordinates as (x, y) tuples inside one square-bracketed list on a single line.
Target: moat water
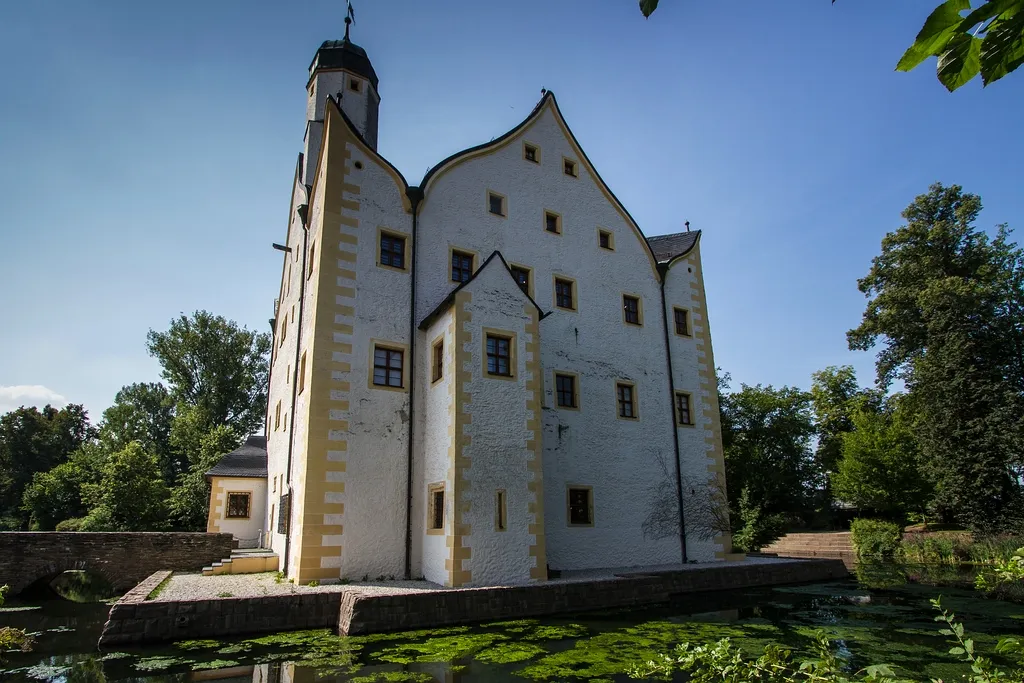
[(867, 625)]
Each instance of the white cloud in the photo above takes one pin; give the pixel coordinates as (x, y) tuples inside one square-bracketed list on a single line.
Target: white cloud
[(37, 395)]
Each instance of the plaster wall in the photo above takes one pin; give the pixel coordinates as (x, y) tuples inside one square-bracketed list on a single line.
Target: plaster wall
[(621, 459), (247, 531)]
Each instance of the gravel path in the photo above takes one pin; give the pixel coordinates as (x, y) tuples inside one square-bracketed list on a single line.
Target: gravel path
[(199, 587)]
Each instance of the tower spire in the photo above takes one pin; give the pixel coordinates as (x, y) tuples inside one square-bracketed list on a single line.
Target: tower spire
[(350, 18)]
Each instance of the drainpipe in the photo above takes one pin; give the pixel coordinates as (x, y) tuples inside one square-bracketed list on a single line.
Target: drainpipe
[(415, 195), (663, 271), (303, 216)]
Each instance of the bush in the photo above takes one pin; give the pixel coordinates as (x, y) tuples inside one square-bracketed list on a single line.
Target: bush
[(70, 525), (875, 538), (12, 638)]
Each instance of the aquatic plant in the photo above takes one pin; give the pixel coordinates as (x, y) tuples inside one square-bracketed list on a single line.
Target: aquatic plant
[(196, 644), (13, 638), (1004, 575), (159, 663), (214, 664), (508, 653), (394, 677)]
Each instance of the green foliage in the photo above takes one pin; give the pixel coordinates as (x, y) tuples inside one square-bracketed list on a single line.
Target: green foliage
[(144, 413), (56, 495), (12, 638), (131, 496), (946, 306), (879, 470), (757, 529), (1004, 575), (875, 538), (205, 445), (983, 669)]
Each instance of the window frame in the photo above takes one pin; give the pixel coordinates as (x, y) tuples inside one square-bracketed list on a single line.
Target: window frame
[(569, 488), (639, 309), (536, 149), (504, 204), (452, 251), (548, 213), (634, 401), (501, 510), (391, 347), (248, 504), (555, 277), (689, 409), (486, 333), (437, 360), (432, 491), (688, 318), (277, 416), (302, 373), (384, 233), (575, 167), (601, 232), (312, 263), (355, 84), (555, 374), (529, 277)]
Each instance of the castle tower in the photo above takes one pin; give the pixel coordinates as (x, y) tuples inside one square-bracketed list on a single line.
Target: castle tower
[(340, 69)]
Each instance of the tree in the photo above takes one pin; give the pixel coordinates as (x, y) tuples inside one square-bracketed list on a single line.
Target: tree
[(144, 413), (190, 499), (131, 496), (946, 305), (766, 433), (35, 441), (879, 469), (211, 363), (56, 495), (987, 39)]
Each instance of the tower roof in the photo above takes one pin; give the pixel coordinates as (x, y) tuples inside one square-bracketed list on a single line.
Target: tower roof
[(344, 54)]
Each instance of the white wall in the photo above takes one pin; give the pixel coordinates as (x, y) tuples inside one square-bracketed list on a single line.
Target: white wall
[(248, 531)]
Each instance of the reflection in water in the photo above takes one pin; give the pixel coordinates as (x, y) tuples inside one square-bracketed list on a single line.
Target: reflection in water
[(81, 586), (867, 626)]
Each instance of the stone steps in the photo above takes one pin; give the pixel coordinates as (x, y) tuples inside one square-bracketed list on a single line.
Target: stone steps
[(244, 563), (835, 544)]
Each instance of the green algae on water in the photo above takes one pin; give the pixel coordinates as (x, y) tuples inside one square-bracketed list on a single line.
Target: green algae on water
[(442, 649), (197, 644), (509, 653), (214, 664), (159, 663), (394, 677)]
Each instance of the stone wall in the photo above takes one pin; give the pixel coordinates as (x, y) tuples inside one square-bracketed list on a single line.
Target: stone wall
[(124, 559)]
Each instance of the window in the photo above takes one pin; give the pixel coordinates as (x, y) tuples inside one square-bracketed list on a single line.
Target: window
[(312, 252), (302, 372), (277, 416), (284, 513), (580, 501), (462, 266), (288, 281), (684, 412), (565, 390), (284, 422), (631, 309), (605, 240), (284, 331), (387, 367), (522, 278), (626, 396), (499, 355), (496, 204), (435, 508), (565, 290), (531, 152), (570, 168), (553, 222), (354, 84), (274, 490), (238, 506), (392, 251), (437, 367), (682, 318), (500, 515)]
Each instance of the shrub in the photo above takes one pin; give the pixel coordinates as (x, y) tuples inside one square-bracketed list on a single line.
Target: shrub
[(875, 538), (12, 638), (1006, 579), (70, 524)]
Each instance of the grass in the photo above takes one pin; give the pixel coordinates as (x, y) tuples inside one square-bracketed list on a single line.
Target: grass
[(160, 587), (958, 547)]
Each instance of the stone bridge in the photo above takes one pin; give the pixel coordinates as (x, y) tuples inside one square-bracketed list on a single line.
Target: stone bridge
[(124, 559)]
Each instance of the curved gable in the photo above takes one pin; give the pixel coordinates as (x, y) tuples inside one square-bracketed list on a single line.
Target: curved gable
[(547, 101)]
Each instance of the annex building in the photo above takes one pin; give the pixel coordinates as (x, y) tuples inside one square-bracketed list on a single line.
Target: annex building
[(481, 378)]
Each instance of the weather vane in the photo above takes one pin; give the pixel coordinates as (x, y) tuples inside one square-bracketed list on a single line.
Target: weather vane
[(350, 18)]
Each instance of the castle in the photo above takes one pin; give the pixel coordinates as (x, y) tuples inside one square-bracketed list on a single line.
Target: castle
[(480, 379)]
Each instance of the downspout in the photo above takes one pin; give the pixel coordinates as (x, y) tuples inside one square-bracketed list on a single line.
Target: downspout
[(303, 215), (415, 195), (663, 271)]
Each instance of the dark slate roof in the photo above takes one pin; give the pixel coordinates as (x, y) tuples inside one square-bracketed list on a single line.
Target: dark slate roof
[(344, 54), (667, 247), (248, 460)]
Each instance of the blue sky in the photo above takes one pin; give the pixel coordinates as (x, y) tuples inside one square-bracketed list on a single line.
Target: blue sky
[(146, 152)]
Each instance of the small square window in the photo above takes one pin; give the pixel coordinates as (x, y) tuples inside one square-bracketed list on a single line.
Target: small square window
[(684, 412), (392, 251), (437, 367), (462, 266), (682, 320), (435, 507), (522, 278), (312, 253), (570, 167), (631, 309), (553, 222), (581, 505), (354, 84), (604, 239), (496, 204), (565, 390), (277, 416), (564, 294), (626, 396), (238, 506), (499, 355), (531, 153), (387, 367)]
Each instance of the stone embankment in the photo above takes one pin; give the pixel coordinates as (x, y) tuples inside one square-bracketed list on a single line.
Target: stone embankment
[(359, 609), (832, 545)]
